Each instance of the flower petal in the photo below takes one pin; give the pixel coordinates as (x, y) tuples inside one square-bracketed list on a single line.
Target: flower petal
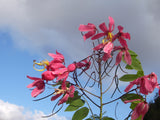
[(119, 57), (64, 99), (103, 27), (56, 96), (108, 48), (97, 36)]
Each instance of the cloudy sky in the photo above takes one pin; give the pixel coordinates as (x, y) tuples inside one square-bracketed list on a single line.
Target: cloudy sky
[(29, 29)]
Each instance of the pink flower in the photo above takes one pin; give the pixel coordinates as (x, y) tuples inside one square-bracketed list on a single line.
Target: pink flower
[(63, 73), (90, 29), (104, 28), (39, 84), (68, 92), (140, 109), (58, 56), (124, 51), (146, 84), (121, 36), (48, 76)]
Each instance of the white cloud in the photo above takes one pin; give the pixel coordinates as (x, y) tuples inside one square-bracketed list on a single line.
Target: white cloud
[(10, 111)]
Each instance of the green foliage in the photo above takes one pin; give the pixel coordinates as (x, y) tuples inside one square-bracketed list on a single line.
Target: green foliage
[(80, 114), (131, 96), (128, 77), (74, 105)]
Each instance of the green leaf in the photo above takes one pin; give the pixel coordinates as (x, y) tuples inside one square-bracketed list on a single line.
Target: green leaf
[(75, 105), (128, 67), (132, 53), (131, 96), (89, 119), (128, 77), (136, 64), (80, 114), (107, 118), (140, 73), (76, 96)]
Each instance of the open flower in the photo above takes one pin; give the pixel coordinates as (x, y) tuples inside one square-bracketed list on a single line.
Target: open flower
[(38, 83), (123, 51), (68, 92), (146, 84), (90, 29), (121, 36), (141, 109), (106, 31), (63, 73)]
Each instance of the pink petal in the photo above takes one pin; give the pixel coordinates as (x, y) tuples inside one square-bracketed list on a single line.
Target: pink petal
[(62, 76), (71, 67), (89, 27), (36, 92), (97, 36), (56, 66), (120, 28), (98, 47), (59, 71), (31, 85), (103, 27), (88, 35), (71, 91), (127, 57), (108, 48), (56, 56), (33, 78), (47, 75), (129, 87), (126, 36), (137, 111), (117, 48), (145, 110), (123, 42), (119, 57), (64, 99), (111, 24), (56, 96)]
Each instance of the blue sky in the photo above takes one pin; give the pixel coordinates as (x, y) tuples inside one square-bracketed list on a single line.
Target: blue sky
[(29, 29)]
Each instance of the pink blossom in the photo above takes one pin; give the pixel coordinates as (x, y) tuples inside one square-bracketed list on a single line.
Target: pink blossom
[(58, 56), (140, 109), (90, 29), (104, 28), (39, 84), (123, 51), (121, 36), (63, 73), (146, 84), (68, 92), (48, 76)]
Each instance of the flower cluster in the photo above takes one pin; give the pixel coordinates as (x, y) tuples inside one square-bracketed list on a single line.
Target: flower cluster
[(107, 44), (146, 84), (56, 70)]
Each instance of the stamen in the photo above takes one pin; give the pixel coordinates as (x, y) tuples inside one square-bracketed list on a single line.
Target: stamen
[(43, 63)]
